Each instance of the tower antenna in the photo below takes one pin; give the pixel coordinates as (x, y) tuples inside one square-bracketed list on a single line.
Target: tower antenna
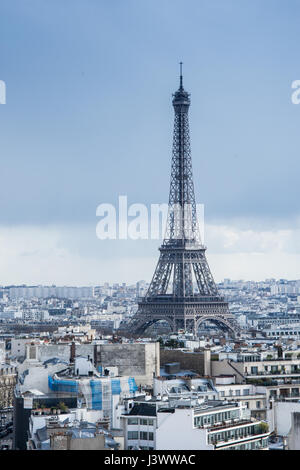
[(181, 86)]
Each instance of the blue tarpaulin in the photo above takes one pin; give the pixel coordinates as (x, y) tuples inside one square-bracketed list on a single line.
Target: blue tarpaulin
[(132, 385), (96, 387)]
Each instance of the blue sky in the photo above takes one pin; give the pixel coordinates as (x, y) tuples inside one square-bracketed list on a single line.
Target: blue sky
[(89, 117)]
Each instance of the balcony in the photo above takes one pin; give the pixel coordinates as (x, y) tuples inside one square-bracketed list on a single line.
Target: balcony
[(259, 444), (272, 373), (259, 431), (268, 359), (290, 398), (230, 424)]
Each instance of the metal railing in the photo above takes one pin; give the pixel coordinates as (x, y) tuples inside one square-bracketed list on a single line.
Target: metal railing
[(239, 422)]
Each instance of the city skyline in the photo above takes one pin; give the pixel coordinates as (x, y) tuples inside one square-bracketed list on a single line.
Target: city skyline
[(75, 134), (149, 228)]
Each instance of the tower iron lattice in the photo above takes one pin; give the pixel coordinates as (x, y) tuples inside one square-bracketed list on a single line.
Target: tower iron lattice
[(182, 291)]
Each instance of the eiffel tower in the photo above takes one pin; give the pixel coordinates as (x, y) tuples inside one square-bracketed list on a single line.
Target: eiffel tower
[(182, 291)]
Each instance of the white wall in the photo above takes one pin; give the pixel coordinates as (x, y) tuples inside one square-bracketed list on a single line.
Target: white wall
[(294, 436), (38, 376), (83, 366), (230, 389), (18, 346), (280, 417), (2, 351), (176, 431)]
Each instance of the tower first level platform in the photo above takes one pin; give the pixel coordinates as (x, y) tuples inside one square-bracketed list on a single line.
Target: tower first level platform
[(184, 313)]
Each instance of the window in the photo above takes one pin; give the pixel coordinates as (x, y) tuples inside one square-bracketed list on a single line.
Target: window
[(144, 436), (143, 422), (133, 435), (246, 391), (237, 393), (258, 404), (32, 352), (150, 422), (151, 436), (133, 421)]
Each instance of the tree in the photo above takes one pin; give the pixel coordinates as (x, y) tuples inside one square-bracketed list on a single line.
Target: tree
[(62, 406), (263, 428)]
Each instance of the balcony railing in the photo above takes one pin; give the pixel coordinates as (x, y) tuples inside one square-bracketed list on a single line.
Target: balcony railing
[(238, 438), (259, 444), (270, 372), (273, 359), (292, 399), (231, 424)]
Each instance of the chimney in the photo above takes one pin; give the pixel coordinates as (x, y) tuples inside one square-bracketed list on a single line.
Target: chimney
[(73, 352)]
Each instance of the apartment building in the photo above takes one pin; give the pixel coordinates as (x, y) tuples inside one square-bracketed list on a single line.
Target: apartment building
[(211, 425), (264, 367), (8, 378), (251, 396)]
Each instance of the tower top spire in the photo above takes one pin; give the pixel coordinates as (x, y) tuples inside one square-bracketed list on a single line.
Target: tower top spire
[(181, 78), (181, 100)]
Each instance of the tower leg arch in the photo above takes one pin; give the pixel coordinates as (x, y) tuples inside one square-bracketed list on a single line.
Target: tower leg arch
[(140, 325), (219, 321)]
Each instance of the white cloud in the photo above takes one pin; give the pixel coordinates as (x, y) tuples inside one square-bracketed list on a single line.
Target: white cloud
[(231, 239), (48, 255), (254, 266), (72, 255)]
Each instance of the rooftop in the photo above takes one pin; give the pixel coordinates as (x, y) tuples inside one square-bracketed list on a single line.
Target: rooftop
[(143, 409)]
